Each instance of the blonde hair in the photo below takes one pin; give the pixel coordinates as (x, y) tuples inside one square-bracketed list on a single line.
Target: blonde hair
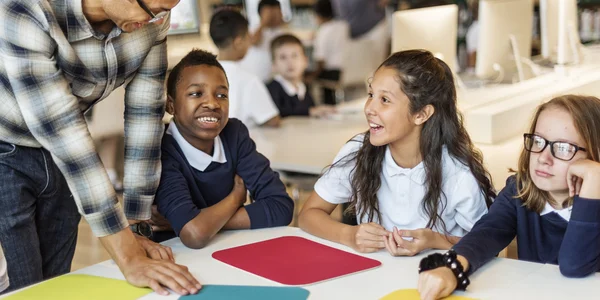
[(585, 112)]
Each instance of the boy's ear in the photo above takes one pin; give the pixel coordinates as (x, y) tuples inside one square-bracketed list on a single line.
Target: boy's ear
[(422, 116), (170, 105), (305, 59), (237, 42)]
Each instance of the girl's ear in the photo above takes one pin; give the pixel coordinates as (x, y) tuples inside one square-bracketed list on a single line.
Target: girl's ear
[(170, 105), (422, 116)]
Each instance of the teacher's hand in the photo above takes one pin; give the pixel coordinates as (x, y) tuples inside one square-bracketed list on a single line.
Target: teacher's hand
[(155, 250), (141, 271)]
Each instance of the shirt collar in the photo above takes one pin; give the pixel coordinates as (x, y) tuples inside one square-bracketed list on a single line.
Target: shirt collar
[(416, 174), (290, 88), (565, 213), (79, 28), (195, 157)]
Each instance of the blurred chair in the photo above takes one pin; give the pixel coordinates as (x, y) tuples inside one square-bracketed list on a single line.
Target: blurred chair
[(359, 66), (297, 183)]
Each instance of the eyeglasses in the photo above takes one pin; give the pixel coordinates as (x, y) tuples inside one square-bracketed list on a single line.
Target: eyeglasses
[(560, 150), (155, 17)]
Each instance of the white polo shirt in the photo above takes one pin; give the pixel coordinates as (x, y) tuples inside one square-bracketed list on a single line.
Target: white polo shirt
[(402, 191), (258, 59), (473, 37), (249, 99), (3, 272), (197, 158), (330, 43)]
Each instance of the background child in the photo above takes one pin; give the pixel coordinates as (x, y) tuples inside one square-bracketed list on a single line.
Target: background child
[(287, 89), (414, 180), (473, 33), (258, 59), (249, 99), (552, 204), (330, 43), (208, 160)]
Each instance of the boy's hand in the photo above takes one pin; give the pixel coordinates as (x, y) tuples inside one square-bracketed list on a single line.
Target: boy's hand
[(239, 189), (158, 222)]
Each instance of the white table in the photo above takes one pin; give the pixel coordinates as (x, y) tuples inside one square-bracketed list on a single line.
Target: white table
[(307, 145), (500, 279)]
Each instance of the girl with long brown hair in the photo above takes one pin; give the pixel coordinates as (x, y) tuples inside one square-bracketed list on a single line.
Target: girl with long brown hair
[(552, 204), (414, 180)]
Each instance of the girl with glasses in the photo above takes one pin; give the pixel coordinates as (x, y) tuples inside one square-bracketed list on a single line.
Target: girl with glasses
[(551, 204)]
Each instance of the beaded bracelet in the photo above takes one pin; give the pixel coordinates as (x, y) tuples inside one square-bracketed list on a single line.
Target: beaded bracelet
[(448, 260)]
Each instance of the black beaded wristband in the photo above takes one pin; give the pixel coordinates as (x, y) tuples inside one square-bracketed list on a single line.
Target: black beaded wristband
[(449, 260)]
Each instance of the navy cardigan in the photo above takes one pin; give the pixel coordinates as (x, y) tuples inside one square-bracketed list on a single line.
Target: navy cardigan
[(184, 191), (573, 245), (289, 105)]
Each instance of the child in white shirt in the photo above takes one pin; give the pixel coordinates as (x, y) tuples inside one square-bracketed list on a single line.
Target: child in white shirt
[(331, 40), (287, 89), (414, 180), (258, 59), (249, 99)]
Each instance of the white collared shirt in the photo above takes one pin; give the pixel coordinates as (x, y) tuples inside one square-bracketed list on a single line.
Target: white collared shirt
[(3, 272), (249, 98), (331, 40), (565, 213), (402, 191), (258, 59), (197, 158), (290, 88)]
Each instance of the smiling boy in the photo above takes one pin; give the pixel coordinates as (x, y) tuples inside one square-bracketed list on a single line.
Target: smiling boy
[(210, 161)]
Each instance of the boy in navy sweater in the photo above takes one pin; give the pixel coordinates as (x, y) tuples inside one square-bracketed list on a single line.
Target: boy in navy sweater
[(209, 160), (552, 204), (288, 91)]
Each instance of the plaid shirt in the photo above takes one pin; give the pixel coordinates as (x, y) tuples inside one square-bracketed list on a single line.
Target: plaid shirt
[(53, 67)]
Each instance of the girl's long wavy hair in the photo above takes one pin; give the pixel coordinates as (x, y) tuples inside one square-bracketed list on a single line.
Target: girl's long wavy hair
[(426, 80)]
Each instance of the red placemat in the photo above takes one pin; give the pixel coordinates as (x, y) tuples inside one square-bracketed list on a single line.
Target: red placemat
[(294, 260)]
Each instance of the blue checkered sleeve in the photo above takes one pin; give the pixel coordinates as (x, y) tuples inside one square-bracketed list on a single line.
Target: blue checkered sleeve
[(144, 110), (53, 116)]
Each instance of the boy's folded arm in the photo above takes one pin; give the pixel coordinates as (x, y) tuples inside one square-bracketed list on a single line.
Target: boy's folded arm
[(198, 232), (272, 205), (194, 226), (239, 220), (270, 211)]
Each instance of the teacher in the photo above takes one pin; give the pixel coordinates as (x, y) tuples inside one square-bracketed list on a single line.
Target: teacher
[(57, 59)]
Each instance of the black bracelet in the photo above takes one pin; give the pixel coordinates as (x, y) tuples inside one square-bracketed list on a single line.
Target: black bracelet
[(448, 260)]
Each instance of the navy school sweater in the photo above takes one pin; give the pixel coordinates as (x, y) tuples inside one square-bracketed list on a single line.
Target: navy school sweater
[(574, 245), (289, 105), (184, 191)]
